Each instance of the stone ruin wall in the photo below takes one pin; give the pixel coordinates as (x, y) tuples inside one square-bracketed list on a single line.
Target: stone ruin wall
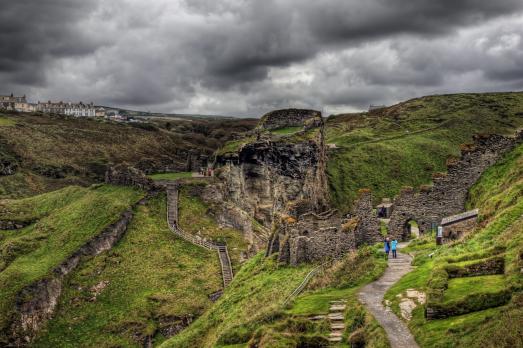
[(291, 118), (310, 237), (448, 194), (307, 237), (367, 224)]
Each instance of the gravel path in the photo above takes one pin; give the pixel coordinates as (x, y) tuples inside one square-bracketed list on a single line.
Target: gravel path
[(372, 297)]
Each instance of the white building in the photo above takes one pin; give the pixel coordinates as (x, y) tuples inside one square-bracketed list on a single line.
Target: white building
[(73, 109)]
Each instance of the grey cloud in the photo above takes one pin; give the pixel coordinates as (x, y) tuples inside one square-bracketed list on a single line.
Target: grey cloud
[(221, 56)]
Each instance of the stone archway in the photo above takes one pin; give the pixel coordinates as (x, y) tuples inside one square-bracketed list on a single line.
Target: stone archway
[(411, 229)]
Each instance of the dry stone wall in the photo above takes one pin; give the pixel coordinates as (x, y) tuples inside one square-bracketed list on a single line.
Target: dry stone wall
[(449, 192)]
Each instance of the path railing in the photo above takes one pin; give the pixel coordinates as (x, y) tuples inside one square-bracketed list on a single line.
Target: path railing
[(304, 283), (172, 221)]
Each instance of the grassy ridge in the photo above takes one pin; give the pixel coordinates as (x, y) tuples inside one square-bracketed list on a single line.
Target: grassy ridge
[(152, 280), (63, 227), (499, 195), (404, 144)]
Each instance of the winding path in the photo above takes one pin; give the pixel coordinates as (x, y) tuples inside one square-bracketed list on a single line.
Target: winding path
[(372, 295), (172, 221)]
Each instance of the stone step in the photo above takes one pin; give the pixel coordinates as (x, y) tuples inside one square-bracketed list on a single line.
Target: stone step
[(335, 339), (337, 308), (337, 326), (336, 334), (336, 317)]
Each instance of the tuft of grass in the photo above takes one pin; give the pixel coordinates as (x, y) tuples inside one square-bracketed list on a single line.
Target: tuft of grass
[(286, 130)]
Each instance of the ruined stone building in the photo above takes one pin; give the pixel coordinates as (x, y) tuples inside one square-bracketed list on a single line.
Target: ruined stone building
[(456, 226), (448, 194)]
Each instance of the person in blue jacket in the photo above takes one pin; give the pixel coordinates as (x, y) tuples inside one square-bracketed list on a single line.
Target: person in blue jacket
[(393, 247), (387, 246)]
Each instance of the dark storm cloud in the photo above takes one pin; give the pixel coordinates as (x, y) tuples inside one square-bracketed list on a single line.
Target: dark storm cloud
[(32, 32), (248, 56)]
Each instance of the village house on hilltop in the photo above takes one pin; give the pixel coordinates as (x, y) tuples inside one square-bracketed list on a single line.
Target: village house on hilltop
[(14, 103)]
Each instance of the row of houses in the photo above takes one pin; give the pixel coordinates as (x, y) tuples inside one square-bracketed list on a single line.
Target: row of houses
[(14, 103)]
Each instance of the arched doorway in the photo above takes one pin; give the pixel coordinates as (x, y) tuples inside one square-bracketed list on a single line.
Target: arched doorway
[(411, 229)]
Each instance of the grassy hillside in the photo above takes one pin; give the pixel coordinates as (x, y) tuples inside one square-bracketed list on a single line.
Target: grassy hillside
[(404, 144), (499, 195), (50, 152), (65, 220), (251, 312), (137, 292), (256, 294)]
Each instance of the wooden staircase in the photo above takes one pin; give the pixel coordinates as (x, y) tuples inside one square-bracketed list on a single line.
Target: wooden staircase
[(172, 221)]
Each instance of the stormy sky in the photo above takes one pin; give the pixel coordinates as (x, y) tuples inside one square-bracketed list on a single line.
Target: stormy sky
[(245, 57)]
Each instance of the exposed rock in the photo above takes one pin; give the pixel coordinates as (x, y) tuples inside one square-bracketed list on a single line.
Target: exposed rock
[(8, 166), (128, 176), (14, 225), (97, 289)]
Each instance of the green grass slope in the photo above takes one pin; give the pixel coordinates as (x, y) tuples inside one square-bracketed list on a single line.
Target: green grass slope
[(404, 144), (499, 195), (135, 293), (66, 220), (256, 294)]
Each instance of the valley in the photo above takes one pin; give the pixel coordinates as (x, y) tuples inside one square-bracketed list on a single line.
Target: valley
[(106, 243)]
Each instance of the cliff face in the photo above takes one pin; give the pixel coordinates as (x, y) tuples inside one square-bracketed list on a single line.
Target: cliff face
[(279, 181), (271, 173)]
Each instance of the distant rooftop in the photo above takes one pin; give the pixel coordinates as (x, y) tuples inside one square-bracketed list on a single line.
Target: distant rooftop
[(459, 217)]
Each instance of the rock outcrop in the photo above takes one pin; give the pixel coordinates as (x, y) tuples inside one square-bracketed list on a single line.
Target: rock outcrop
[(128, 176), (448, 194), (307, 119)]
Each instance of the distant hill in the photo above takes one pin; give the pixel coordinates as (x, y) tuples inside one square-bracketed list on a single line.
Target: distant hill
[(39, 153)]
